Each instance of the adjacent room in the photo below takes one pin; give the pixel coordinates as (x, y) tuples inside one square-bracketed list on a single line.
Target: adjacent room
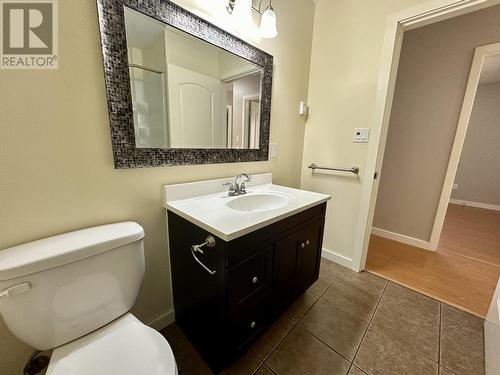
[(438, 187), (250, 187)]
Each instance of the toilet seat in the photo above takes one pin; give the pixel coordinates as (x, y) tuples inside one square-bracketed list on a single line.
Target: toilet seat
[(125, 346)]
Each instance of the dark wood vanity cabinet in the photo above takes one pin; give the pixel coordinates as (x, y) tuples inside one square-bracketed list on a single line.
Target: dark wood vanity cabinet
[(257, 276)]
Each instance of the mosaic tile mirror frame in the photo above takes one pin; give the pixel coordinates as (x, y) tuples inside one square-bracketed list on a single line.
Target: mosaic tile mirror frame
[(119, 96)]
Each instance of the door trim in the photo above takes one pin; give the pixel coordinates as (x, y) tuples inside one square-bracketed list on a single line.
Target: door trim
[(463, 123), (337, 258), (402, 238), (424, 14)]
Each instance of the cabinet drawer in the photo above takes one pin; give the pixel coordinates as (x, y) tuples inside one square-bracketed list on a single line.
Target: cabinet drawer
[(251, 322), (250, 279), (243, 247)]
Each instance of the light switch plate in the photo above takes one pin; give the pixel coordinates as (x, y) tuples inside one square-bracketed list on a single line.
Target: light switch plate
[(361, 135), (273, 149)]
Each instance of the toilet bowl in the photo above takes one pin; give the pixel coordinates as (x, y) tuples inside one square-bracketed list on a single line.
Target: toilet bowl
[(72, 293), (125, 346)]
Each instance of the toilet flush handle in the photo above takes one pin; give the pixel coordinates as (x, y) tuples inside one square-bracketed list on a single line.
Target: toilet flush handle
[(16, 289)]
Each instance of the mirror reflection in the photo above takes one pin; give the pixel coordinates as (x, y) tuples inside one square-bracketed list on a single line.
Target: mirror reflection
[(188, 93)]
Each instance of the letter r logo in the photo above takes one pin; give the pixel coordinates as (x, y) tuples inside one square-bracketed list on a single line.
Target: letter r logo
[(27, 28)]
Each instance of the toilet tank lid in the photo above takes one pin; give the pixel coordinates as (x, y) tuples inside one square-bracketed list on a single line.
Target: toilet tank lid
[(66, 248)]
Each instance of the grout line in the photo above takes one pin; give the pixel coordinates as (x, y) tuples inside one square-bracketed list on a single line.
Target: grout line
[(262, 365), (417, 350), (364, 290), (281, 341), (321, 340), (369, 324), (295, 324)]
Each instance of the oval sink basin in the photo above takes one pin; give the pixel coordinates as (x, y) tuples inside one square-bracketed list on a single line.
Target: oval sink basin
[(259, 201)]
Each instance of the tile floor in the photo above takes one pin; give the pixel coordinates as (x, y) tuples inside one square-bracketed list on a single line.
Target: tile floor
[(356, 324)]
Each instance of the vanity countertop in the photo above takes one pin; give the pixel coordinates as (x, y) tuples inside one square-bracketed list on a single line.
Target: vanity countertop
[(227, 218)]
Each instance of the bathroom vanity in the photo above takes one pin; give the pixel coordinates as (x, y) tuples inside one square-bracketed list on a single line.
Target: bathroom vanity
[(239, 261)]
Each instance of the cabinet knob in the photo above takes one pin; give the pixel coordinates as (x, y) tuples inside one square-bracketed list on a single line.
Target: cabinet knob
[(254, 280), (307, 242), (303, 245), (252, 325)]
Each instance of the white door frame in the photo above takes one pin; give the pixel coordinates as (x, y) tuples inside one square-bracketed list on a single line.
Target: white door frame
[(426, 13), (463, 123), (245, 99)]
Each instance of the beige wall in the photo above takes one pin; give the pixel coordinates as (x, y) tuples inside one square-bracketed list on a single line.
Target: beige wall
[(56, 162), (477, 175), (430, 87), (345, 62)]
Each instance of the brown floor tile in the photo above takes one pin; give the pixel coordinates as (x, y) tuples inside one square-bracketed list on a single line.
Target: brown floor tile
[(427, 307), (302, 353), (247, 364), (330, 270), (336, 328), (365, 281), (320, 286), (272, 337), (264, 370), (445, 371), (301, 306), (471, 325), (356, 371), (379, 354), (351, 299), (408, 326), (402, 339), (462, 342)]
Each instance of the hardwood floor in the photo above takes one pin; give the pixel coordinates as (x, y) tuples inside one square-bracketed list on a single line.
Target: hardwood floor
[(463, 272), (472, 232)]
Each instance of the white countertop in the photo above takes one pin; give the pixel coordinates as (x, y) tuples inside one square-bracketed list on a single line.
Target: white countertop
[(210, 211)]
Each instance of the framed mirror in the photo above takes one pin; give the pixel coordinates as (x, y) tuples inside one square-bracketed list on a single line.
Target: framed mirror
[(179, 89)]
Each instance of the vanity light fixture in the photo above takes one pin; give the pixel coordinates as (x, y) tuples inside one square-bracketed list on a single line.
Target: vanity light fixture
[(267, 28)]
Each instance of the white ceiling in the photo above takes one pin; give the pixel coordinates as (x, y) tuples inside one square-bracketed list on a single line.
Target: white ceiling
[(490, 72)]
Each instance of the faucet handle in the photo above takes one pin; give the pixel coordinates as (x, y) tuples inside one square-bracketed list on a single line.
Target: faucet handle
[(231, 190), (243, 188)]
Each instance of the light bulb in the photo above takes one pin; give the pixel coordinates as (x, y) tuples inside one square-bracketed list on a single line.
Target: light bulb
[(267, 27)]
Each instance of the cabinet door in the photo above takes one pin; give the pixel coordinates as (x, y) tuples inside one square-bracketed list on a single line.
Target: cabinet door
[(309, 255), (284, 270)]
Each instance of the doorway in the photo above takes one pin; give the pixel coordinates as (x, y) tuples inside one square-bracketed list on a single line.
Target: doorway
[(420, 162)]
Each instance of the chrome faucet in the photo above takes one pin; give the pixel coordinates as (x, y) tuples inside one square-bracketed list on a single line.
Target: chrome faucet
[(237, 188)]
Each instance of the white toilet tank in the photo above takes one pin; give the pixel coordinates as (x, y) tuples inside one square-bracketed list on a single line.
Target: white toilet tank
[(58, 289)]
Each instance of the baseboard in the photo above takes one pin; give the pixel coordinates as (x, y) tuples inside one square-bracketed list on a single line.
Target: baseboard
[(337, 258), (486, 206), (162, 320), (426, 245)]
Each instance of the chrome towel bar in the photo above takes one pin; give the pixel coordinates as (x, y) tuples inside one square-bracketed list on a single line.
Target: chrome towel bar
[(209, 242), (354, 170)]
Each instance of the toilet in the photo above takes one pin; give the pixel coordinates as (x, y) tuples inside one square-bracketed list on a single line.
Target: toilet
[(72, 293)]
